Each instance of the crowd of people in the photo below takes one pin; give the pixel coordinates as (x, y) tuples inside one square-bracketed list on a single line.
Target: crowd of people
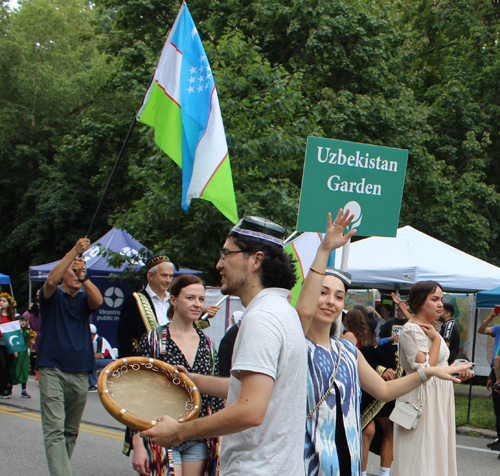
[(283, 392)]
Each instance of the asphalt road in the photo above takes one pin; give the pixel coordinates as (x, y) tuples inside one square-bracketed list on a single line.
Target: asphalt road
[(98, 448), (99, 445)]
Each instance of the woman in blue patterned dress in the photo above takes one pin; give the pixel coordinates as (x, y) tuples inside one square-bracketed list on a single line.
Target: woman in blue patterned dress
[(333, 428)]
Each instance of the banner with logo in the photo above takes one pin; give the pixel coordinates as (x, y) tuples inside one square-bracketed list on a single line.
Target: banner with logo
[(107, 316), (13, 337), (367, 179)]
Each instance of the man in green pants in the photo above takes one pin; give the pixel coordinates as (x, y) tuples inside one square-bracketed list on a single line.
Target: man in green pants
[(65, 355)]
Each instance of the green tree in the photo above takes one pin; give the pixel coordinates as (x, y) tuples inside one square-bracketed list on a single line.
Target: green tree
[(52, 76)]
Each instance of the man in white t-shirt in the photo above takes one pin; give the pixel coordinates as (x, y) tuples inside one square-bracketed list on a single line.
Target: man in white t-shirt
[(264, 420)]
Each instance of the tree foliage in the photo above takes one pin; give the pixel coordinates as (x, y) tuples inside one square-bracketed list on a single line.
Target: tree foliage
[(417, 75)]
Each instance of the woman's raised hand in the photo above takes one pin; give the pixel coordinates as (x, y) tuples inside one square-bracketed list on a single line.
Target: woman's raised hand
[(334, 236), (399, 302)]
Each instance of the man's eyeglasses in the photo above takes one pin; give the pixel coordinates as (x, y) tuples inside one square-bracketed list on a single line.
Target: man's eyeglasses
[(224, 254)]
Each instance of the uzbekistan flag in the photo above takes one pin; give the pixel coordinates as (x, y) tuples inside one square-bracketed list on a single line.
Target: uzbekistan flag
[(303, 249), (183, 108)]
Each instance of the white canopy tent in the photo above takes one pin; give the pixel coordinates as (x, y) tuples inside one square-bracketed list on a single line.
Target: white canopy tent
[(398, 263)]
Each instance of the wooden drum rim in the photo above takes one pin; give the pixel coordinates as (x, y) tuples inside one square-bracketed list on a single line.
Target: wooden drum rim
[(129, 419)]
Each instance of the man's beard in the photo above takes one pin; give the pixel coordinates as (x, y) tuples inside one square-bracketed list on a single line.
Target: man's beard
[(232, 289)]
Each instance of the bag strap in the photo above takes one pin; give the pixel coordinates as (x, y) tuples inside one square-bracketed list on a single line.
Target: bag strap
[(332, 381)]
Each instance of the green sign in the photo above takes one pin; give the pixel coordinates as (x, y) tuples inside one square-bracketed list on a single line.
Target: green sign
[(367, 179)]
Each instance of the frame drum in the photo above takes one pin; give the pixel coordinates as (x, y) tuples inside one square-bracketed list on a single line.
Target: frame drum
[(138, 390)]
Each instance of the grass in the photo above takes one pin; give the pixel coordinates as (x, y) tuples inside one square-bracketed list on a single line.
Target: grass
[(481, 412)]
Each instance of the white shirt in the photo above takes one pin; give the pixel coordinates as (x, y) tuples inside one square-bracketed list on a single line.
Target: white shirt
[(161, 306), (270, 341), (106, 348)]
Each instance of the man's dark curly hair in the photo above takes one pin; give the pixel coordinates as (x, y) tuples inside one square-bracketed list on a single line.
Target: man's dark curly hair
[(278, 269)]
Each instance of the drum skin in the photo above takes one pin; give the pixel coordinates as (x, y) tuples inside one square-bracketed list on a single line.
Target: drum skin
[(136, 391)]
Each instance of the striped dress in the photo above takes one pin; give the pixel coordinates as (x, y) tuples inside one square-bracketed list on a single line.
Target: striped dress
[(333, 433)]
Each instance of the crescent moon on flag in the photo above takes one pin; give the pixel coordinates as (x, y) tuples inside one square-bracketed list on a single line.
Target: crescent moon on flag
[(11, 339), (193, 32)]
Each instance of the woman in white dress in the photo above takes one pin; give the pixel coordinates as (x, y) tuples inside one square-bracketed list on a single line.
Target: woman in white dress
[(430, 448)]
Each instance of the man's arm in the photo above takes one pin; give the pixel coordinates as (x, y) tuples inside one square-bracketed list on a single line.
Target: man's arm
[(497, 367), (483, 328), (248, 411), (94, 296), (59, 269), (447, 331), (209, 384)]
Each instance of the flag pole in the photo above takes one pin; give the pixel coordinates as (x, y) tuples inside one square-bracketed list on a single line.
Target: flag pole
[(205, 316), (289, 238), (120, 155)]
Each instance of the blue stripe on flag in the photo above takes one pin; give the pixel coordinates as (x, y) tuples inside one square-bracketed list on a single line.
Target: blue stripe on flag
[(197, 85)]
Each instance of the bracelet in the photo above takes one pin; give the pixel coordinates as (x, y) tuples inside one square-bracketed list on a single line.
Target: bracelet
[(84, 279), (422, 375), (317, 272)]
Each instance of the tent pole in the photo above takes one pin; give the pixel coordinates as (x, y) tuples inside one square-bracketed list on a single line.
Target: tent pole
[(12, 292), (343, 267), (473, 355), (397, 294), (345, 256), (29, 294)]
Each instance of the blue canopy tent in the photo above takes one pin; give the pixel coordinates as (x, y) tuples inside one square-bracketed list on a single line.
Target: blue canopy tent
[(99, 270), (487, 299), (4, 279), (484, 300)]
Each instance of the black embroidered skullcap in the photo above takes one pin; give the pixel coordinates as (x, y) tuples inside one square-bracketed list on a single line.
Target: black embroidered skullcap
[(260, 230), (344, 276), (152, 262)]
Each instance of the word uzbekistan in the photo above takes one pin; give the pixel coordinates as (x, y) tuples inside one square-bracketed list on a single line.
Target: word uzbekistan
[(335, 184)]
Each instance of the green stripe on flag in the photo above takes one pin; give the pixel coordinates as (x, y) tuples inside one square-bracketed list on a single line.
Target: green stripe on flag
[(298, 272), (220, 191), (164, 115)]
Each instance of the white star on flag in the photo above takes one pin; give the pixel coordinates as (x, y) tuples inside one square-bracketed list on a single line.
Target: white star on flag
[(190, 89), (192, 70)]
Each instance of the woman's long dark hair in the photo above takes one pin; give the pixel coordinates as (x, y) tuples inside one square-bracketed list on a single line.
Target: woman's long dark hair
[(355, 322), (179, 284)]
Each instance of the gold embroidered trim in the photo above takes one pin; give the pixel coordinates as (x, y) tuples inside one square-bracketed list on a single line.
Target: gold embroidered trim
[(372, 410), (147, 314)]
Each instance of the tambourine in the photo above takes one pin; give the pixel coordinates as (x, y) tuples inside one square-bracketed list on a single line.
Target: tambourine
[(136, 391)]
